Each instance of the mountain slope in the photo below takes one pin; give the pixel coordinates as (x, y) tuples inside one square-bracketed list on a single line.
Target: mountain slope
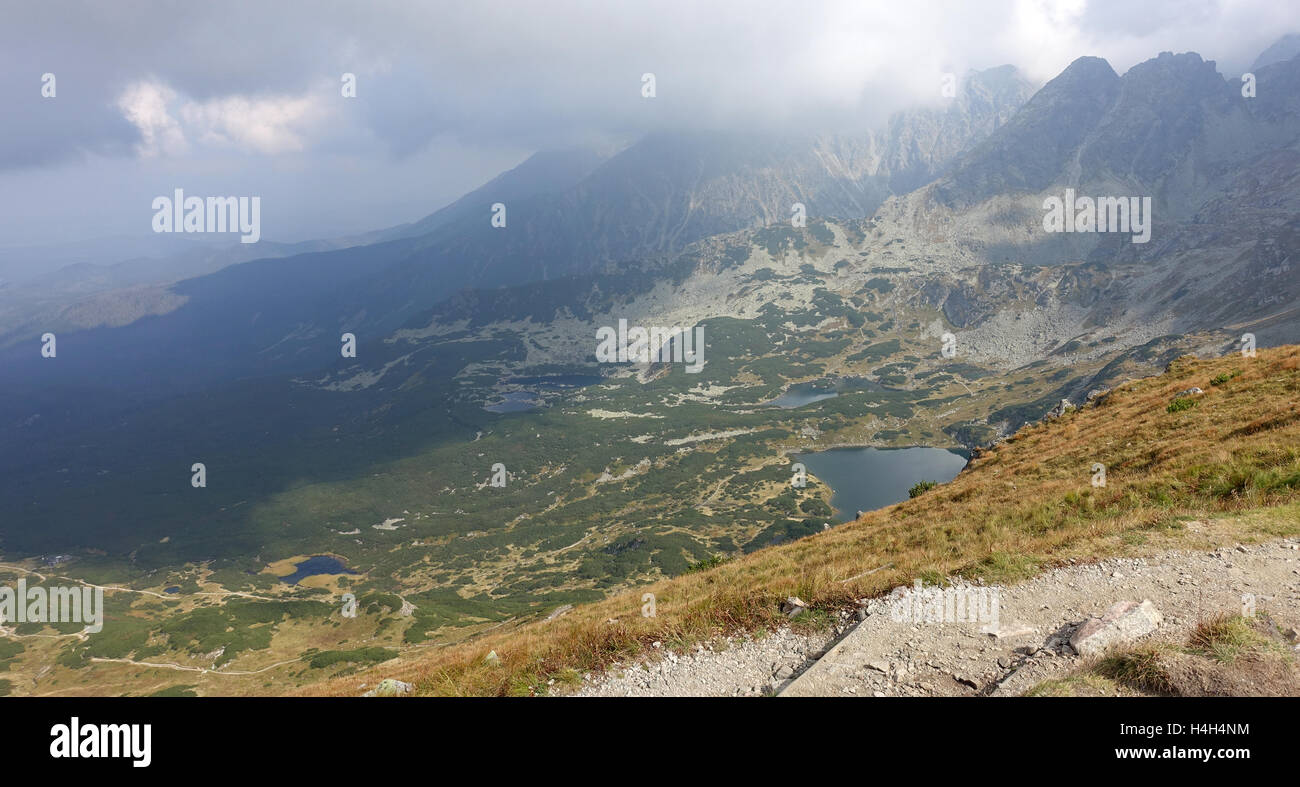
[(628, 474), (865, 298), (1220, 171), (1024, 505), (567, 214)]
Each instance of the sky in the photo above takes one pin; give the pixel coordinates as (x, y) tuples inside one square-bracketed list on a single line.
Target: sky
[(245, 98)]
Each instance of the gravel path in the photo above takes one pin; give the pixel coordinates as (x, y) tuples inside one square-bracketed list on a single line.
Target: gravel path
[(883, 657), (730, 667)]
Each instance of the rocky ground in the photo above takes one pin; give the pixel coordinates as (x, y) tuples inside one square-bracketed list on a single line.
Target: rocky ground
[(731, 667), (1030, 642)]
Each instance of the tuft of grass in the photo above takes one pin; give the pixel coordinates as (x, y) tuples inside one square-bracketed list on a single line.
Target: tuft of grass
[(1225, 655), (1142, 668), (1085, 684), (933, 579), (1225, 638), (1180, 404), (569, 677), (812, 621), (1222, 637), (1002, 568)]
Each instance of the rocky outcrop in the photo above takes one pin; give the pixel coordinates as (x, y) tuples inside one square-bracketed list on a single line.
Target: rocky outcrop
[(389, 687), (1123, 623), (1062, 407)]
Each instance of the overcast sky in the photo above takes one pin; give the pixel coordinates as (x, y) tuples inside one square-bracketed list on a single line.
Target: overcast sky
[(243, 98)]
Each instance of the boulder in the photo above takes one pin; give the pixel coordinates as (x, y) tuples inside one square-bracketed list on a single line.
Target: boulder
[(1124, 622), (1060, 409), (794, 606), (389, 687), (1097, 394)]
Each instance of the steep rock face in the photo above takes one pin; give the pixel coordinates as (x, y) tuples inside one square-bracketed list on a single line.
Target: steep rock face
[(671, 189), (1038, 143), (919, 145), (1223, 175), (1221, 171), (1160, 118), (1171, 127)]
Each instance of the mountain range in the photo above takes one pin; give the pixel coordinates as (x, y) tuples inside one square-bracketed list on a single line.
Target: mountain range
[(924, 233)]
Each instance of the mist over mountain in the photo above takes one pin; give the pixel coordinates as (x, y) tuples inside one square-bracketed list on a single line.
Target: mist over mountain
[(569, 213), (1219, 168), (1282, 50), (418, 416)]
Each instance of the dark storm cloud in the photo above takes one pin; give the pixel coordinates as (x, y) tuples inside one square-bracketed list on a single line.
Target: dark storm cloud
[(252, 87)]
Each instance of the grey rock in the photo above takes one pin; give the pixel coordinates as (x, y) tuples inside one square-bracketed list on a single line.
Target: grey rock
[(1061, 408), (794, 606), (389, 687), (1124, 622)]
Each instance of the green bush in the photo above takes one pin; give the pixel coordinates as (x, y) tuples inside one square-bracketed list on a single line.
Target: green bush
[(706, 564), (328, 658), (921, 487)]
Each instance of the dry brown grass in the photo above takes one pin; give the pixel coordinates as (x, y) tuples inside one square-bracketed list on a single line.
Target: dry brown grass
[(1018, 508), (1224, 656)]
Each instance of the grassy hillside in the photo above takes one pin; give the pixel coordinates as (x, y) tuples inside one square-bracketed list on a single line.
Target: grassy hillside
[(1232, 457)]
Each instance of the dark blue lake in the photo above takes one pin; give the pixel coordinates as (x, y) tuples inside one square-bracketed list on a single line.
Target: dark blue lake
[(317, 564), (515, 402), (522, 401), (864, 479)]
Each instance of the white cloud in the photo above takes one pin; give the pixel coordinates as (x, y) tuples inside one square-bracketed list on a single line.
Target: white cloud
[(170, 126), (260, 125), (144, 104)]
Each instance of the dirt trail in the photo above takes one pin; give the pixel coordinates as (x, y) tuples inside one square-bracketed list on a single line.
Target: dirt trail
[(882, 657)]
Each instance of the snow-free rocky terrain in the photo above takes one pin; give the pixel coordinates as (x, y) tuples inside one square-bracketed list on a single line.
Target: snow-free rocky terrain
[(879, 657)]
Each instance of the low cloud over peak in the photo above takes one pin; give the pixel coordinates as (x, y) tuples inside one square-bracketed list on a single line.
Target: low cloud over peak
[(222, 87)]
